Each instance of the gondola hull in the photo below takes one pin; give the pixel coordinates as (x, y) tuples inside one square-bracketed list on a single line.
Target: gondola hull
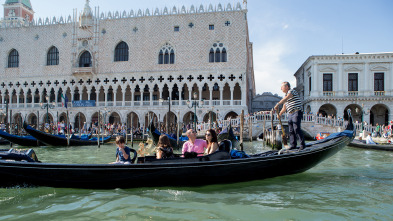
[(183, 172), (26, 141), (54, 140), (216, 168)]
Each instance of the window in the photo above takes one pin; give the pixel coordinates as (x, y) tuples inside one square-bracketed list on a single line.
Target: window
[(211, 27), (309, 84), (13, 59), (211, 56), (327, 82), (352, 81), (176, 28), (166, 55), (218, 53), (52, 57), (379, 82), (85, 60), (121, 52)]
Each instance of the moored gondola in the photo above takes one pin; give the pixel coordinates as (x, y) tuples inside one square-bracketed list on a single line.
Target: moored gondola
[(362, 144), (54, 140), (26, 141), (218, 167)]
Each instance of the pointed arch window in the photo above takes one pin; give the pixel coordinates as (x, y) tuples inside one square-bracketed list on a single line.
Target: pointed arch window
[(166, 55), (13, 59), (224, 55), (52, 56), (121, 52), (85, 59), (211, 55), (218, 53)]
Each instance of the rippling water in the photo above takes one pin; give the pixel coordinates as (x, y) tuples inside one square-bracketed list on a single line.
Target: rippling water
[(352, 185)]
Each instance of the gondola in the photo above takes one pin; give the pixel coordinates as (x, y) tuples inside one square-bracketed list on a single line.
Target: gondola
[(4, 142), (362, 144), (218, 167), (155, 135), (26, 141), (54, 140)]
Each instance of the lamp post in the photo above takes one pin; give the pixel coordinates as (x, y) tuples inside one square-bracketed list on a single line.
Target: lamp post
[(194, 104), (47, 106), (167, 115), (363, 112), (104, 114)]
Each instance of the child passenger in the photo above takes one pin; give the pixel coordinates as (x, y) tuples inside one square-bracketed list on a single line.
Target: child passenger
[(122, 152)]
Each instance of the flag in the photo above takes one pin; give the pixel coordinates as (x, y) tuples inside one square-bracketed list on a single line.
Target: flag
[(64, 100)]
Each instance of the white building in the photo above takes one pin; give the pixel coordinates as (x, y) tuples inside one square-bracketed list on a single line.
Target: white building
[(330, 84), (126, 62)]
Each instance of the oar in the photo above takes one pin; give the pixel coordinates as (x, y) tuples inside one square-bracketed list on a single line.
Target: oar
[(284, 137)]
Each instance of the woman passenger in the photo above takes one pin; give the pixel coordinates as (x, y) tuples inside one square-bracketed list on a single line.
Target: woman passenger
[(164, 149), (211, 140)]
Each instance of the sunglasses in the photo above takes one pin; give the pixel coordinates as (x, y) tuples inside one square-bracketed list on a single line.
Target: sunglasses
[(208, 135)]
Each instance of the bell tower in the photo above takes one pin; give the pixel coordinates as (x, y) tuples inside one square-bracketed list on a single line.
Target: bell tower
[(18, 10)]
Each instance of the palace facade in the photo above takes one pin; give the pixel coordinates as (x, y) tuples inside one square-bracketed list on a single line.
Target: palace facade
[(126, 64), (332, 84)]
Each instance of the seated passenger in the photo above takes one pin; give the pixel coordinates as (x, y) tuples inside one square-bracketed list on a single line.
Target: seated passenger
[(369, 140), (164, 149), (211, 140), (122, 152), (193, 145)]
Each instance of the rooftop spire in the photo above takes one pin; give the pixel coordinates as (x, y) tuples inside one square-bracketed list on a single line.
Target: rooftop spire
[(86, 18)]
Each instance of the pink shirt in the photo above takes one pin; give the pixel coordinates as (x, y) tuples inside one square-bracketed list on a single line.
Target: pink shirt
[(198, 147)]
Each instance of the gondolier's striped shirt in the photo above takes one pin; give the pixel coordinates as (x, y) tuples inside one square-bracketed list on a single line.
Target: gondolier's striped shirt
[(294, 103)]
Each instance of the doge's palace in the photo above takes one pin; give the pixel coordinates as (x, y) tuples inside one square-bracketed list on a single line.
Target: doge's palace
[(126, 64)]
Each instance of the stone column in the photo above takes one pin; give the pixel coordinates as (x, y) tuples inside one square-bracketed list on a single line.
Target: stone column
[(123, 102), (114, 98), (232, 89), (106, 97), (25, 103), (211, 95), (17, 99), (151, 96), (221, 95), (132, 96)]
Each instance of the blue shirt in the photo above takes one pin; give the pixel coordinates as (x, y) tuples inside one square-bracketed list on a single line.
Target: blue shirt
[(120, 154)]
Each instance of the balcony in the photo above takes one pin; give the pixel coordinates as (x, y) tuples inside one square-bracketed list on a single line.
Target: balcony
[(329, 93), (379, 93), (353, 93), (83, 70)]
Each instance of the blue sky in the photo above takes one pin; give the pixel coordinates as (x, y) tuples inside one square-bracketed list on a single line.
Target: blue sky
[(284, 32)]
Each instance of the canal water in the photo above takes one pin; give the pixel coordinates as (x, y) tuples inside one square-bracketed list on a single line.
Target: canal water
[(354, 184)]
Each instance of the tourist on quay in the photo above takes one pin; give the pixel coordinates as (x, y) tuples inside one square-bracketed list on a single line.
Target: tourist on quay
[(212, 142), (164, 149), (193, 146), (293, 106)]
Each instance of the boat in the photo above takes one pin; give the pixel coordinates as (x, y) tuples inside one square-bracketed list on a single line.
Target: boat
[(215, 168), (4, 142), (322, 135), (54, 140), (155, 134), (362, 144), (27, 141)]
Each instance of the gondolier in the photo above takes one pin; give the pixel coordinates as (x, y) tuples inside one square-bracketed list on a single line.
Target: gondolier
[(293, 105)]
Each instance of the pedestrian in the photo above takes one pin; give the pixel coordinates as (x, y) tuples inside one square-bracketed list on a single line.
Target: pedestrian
[(293, 106)]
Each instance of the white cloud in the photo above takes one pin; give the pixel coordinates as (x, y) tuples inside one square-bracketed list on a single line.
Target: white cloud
[(269, 68)]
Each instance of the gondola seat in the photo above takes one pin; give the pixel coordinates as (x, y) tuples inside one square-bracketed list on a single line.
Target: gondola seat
[(225, 145)]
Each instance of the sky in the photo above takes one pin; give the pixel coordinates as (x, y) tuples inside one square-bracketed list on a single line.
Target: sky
[(284, 33)]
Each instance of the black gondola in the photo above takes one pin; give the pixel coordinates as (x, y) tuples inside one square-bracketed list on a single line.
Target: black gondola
[(155, 135), (362, 144), (4, 142), (218, 167), (54, 140), (26, 141)]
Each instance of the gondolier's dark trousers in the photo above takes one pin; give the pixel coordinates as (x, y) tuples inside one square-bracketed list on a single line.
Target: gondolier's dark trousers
[(295, 132)]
